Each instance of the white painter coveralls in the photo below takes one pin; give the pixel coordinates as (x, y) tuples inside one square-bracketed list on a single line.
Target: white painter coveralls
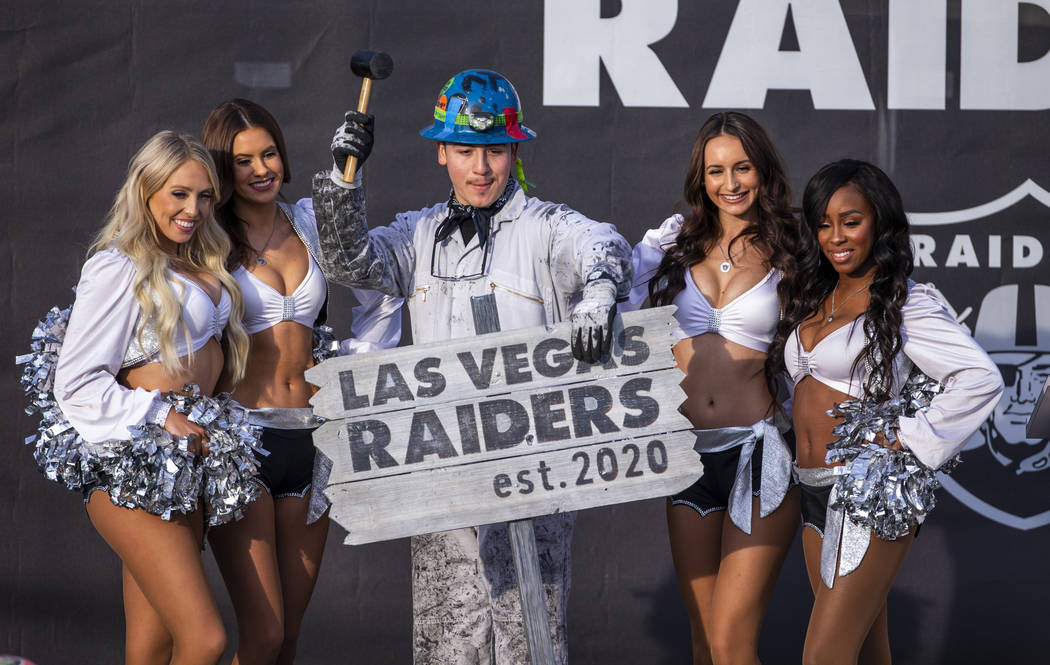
[(538, 257)]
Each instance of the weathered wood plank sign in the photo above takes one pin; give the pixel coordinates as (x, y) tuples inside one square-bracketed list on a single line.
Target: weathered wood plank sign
[(500, 427)]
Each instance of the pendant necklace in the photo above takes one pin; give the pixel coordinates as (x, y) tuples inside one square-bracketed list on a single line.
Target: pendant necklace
[(831, 315), (727, 264), (259, 252)]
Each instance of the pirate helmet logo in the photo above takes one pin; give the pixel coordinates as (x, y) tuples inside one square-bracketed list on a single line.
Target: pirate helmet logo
[(1023, 356), (1004, 472)]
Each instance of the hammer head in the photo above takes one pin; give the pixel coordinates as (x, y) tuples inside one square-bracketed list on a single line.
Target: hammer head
[(371, 64)]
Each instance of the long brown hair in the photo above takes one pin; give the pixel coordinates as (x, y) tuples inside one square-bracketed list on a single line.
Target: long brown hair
[(775, 232), (223, 125)]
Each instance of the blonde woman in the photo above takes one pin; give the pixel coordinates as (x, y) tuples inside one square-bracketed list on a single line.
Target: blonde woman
[(153, 302)]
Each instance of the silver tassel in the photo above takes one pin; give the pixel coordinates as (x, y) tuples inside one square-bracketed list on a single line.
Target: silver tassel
[(154, 471), (887, 491)]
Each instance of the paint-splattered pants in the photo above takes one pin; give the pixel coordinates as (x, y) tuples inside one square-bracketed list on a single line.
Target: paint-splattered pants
[(465, 600)]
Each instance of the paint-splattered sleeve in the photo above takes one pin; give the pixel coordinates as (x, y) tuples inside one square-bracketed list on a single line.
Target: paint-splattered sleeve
[(381, 259), (583, 250)]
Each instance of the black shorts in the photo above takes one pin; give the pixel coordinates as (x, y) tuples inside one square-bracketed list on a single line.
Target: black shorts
[(711, 492), (815, 506), (289, 468)]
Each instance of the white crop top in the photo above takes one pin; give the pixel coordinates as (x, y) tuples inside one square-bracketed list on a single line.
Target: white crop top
[(101, 340), (265, 307), (749, 320), (203, 318), (830, 361), (940, 347)]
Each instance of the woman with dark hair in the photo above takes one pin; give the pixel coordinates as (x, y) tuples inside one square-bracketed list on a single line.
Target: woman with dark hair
[(270, 559), (853, 328), (720, 263)]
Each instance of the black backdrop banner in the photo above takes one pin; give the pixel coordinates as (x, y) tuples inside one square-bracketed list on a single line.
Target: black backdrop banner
[(950, 97)]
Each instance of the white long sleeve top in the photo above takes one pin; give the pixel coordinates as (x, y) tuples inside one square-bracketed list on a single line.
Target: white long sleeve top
[(933, 341), (100, 341), (749, 320)]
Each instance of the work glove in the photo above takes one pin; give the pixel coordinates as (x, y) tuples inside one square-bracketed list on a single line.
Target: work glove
[(592, 320), (353, 137)]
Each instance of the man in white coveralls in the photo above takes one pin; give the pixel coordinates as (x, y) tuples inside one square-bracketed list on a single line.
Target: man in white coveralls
[(541, 263)]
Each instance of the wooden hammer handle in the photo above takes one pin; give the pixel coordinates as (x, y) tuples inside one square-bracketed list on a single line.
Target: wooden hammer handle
[(362, 107)]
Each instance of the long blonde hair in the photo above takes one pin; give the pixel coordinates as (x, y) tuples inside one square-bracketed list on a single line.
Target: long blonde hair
[(131, 229)]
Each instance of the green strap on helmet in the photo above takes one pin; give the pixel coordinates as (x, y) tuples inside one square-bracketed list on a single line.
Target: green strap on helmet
[(519, 174), (463, 119)]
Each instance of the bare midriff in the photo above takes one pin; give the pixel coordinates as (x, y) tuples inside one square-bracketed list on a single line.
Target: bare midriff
[(202, 368), (813, 399), (277, 361), (724, 383), (813, 425)]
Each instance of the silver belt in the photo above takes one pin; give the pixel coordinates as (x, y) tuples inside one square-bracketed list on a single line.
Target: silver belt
[(775, 474), (278, 418)]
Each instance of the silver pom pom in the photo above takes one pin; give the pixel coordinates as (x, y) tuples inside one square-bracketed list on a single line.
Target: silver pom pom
[(57, 447), (325, 344), (154, 471), (38, 377), (888, 491), (163, 477), (230, 467)]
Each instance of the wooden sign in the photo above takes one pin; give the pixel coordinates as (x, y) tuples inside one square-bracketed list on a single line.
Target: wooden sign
[(499, 427)]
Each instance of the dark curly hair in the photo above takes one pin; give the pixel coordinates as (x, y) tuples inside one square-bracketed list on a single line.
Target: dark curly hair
[(775, 232), (803, 291), (224, 123)]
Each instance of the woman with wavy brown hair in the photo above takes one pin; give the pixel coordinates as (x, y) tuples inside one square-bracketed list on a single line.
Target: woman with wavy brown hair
[(854, 328), (720, 263), (270, 560)]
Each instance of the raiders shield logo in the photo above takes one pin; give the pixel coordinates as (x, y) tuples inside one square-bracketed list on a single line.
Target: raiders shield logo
[(988, 260)]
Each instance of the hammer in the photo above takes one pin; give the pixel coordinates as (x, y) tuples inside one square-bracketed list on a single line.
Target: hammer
[(370, 66)]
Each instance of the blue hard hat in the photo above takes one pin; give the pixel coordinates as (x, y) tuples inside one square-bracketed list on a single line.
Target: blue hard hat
[(478, 106)]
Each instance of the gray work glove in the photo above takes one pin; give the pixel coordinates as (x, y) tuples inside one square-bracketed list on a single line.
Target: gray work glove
[(592, 320), (354, 137)]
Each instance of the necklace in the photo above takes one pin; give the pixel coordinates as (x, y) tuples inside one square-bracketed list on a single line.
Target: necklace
[(727, 264), (831, 314), (259, 252)]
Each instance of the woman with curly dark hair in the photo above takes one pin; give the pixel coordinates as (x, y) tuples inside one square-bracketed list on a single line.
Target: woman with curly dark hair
[(720, 263), (853, 328)]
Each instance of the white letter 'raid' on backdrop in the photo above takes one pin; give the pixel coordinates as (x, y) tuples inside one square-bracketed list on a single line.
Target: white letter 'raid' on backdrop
[(826, 63), (991, 78), (576, 39), (917, 52)]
